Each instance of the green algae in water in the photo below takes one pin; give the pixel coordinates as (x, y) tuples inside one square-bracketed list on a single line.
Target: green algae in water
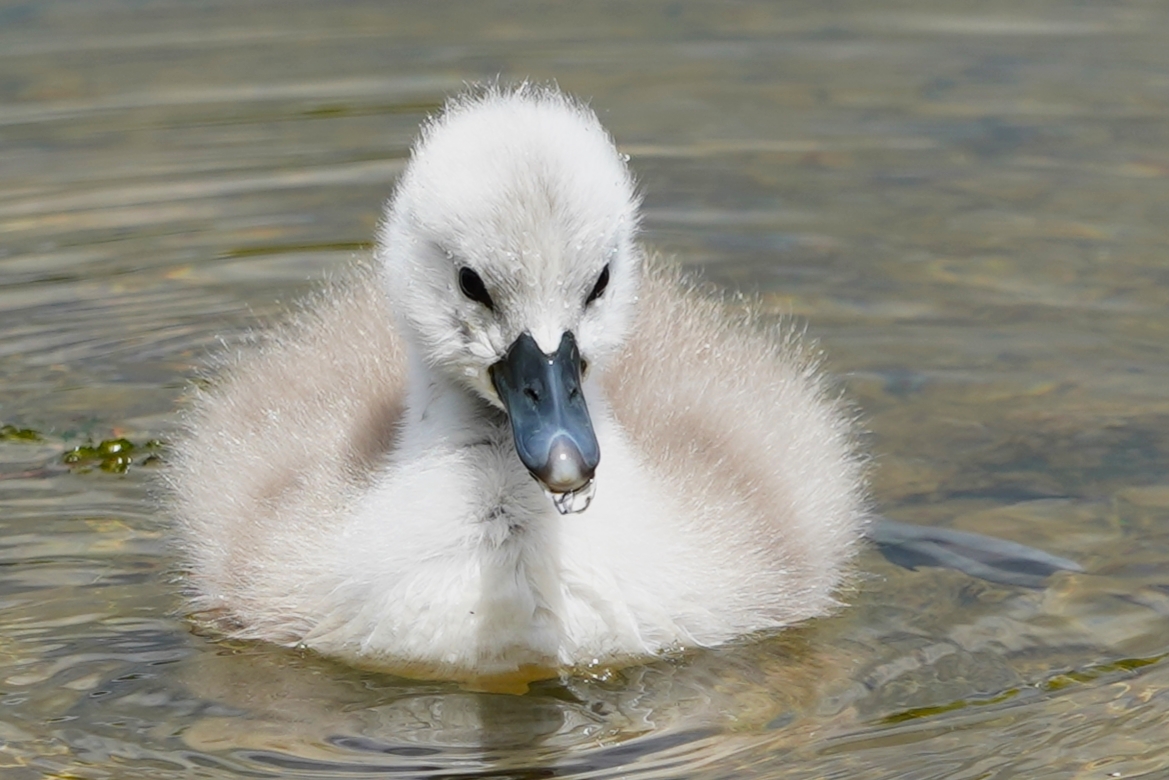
[(1079, 677), (1056, 683), (111, 455), (12, 433), (917, 713)]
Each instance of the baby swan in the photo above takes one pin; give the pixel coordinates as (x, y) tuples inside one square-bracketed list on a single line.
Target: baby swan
[(515, 445)]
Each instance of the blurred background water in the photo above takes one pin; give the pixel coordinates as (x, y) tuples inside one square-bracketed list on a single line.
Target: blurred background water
[(966, 202)]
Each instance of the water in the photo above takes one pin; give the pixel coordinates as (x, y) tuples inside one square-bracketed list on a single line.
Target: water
[(966, 204)]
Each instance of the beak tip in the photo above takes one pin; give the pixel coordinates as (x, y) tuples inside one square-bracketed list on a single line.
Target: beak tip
[(567, 469)]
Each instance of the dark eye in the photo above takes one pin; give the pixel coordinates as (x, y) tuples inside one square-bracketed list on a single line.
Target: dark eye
[(599, 287), (472, 286)]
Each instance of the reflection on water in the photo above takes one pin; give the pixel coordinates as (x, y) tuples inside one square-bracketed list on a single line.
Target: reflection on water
[(967, 205)]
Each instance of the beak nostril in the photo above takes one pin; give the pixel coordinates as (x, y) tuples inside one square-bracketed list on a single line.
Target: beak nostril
[(532, 395)]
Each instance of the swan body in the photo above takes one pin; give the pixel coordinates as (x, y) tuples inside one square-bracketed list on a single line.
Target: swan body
[(352, 482)]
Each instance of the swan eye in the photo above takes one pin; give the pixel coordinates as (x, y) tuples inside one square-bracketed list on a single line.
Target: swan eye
[(471, 285), (599, 287)]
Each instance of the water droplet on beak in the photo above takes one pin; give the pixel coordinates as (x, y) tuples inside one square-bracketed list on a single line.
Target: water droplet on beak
[(574, 501)]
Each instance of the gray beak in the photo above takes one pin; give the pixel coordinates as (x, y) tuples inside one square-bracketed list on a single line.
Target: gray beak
[(546, 407)]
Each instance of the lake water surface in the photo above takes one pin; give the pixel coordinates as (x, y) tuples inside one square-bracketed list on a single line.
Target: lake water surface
[(965, 202)]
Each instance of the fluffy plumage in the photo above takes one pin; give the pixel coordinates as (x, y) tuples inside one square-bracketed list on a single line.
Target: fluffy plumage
[(351, 484)]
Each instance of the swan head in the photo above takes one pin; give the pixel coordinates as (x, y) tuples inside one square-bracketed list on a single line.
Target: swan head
[(509, 255)]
